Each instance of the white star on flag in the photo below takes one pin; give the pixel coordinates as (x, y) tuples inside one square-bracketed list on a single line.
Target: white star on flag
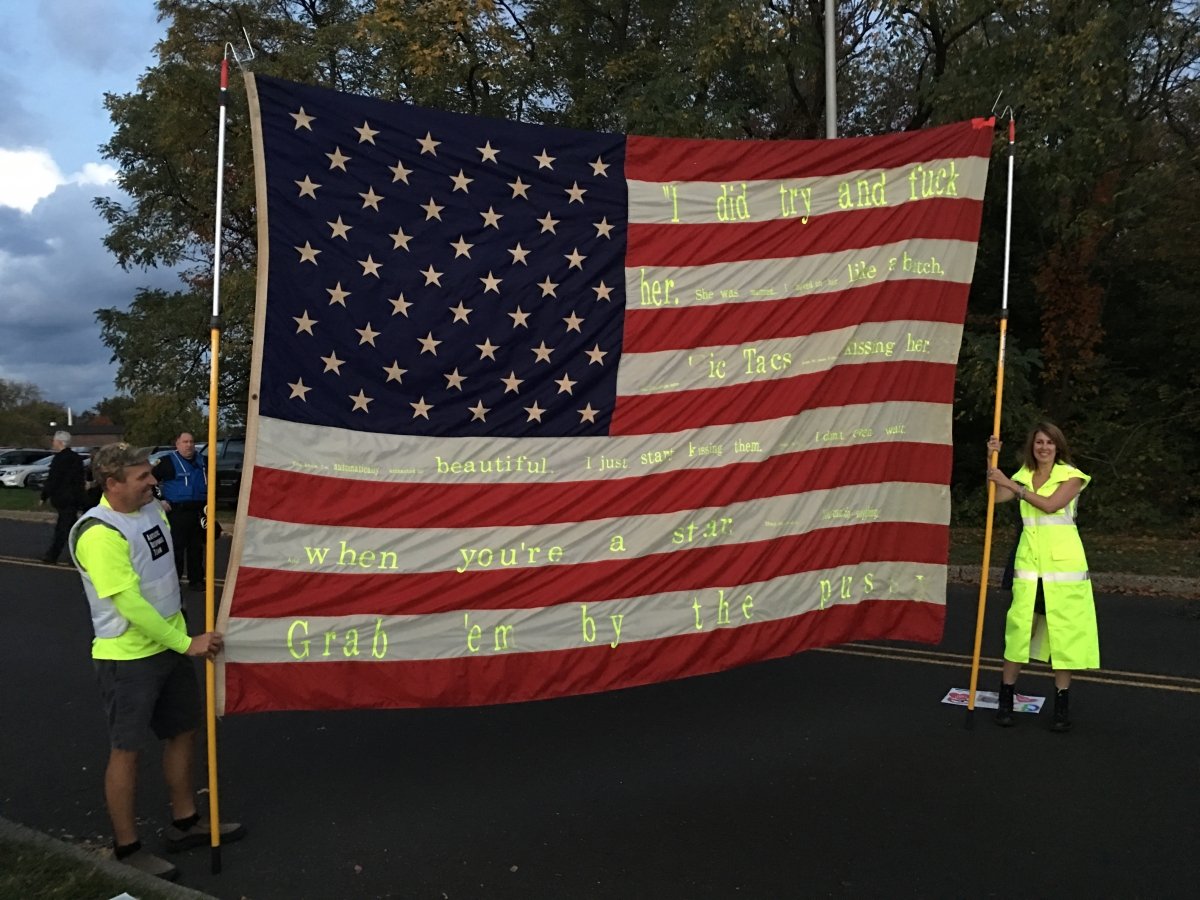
[(428, 144), (337, 295), (304, 323), (332, 363), (361, 400), (371, 199), (303, 120)]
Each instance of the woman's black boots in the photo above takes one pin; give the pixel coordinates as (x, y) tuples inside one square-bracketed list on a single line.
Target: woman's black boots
[(1062, 711), (1004, 714)]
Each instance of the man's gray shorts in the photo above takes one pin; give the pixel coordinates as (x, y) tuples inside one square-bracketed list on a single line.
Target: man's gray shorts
[(159, 693)]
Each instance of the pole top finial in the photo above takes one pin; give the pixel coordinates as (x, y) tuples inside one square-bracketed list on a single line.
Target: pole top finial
[(230, 50)]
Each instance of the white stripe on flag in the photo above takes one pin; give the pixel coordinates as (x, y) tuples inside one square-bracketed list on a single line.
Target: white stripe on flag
[(946, 261), (569, 626), (318, 548), (694, 202), (373, 456), (869, 342)]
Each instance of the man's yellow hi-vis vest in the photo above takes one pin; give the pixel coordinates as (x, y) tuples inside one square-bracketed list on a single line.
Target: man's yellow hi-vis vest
[(1050, 550)]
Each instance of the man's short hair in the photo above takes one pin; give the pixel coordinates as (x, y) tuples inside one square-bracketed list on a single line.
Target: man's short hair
[(111, 460), (64, 436)]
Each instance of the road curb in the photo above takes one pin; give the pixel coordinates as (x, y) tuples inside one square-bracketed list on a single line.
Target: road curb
[(130, 879), (30, 515)]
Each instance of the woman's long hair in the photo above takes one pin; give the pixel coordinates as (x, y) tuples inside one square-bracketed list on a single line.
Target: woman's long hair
[(1062, 452)]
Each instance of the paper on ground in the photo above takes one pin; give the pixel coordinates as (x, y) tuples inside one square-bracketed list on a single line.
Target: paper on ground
[(991, 700)]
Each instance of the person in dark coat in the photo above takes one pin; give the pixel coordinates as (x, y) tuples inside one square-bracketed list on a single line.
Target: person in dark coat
[(64, 490)]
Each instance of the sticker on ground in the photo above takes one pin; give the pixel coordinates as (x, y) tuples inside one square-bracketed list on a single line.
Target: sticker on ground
[(991, 700)]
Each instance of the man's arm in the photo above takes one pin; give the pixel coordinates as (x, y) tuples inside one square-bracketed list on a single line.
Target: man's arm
[(164, 470), (141, 615)]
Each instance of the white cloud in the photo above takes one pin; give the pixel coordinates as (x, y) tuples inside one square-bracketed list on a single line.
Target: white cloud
[(26, 176), (54, 274), (30, 174), (95, 173), (54, 270)]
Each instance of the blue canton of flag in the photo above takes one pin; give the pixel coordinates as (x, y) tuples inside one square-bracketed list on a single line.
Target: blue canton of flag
[(430, 279)]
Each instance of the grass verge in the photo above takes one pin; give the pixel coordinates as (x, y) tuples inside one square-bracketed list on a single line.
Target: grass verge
[(1161, 555), (19, 498), (25, 500), (34, 872)]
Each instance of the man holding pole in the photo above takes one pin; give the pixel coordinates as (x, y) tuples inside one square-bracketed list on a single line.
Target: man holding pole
[(122, 549)]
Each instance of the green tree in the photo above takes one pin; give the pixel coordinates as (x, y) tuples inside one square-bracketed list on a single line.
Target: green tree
[(1105, 251), (114, 409), (1104, 260), (25, 416)]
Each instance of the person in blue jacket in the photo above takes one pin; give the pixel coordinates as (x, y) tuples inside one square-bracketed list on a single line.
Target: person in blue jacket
[(183, 484)]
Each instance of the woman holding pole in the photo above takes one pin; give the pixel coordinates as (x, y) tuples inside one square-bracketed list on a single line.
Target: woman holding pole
[(1053, 615)]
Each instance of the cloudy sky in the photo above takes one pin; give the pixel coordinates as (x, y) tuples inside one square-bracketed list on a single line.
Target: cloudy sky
[(57, 60)]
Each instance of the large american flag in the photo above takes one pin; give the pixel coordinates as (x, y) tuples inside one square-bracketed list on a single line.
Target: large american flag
[(537, 411)]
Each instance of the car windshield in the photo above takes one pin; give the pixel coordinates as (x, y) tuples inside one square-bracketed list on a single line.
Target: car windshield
[(234, 450)]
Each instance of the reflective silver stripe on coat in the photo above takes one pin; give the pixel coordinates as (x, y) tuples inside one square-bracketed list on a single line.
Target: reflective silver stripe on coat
[(1031, 575), (1048, 520)]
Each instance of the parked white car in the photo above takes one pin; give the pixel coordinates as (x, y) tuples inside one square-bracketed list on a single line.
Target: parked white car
[(16, 476)]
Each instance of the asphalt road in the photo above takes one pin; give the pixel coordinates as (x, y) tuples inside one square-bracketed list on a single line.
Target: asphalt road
[(833, 773)]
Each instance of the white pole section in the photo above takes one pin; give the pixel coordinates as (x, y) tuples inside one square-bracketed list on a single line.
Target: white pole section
[(830, 72)]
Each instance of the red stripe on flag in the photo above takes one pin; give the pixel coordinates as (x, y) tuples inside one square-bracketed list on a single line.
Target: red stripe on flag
[(683, 328), (482, 680), (715, 242), (758, 401), (322, 500), (270, 594), (681, 159)]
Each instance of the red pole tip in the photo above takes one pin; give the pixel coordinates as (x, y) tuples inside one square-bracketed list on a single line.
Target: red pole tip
[(224, 73), (1012, 131)]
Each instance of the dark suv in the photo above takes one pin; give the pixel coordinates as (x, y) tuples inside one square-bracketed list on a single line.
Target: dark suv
[(228, 454)]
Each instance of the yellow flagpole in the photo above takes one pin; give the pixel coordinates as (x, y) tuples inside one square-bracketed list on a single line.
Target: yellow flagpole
[(993, 457), (210, 542)]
